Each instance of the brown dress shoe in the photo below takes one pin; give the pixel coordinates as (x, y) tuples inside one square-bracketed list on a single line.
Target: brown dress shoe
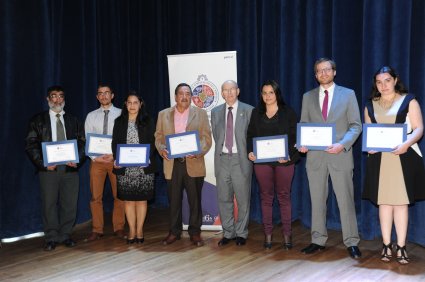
[(94, 236), (120, 234), (171, 238), (197, 240)]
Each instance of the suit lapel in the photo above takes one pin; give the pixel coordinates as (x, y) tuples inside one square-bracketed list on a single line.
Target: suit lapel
[(192, 115), (48, 125), (316, 102), (171, 119), (335, 101), (221, 116), (239, 115), (67, 126)]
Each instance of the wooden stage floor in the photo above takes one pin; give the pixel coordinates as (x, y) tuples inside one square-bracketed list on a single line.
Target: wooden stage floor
[(110, 259)]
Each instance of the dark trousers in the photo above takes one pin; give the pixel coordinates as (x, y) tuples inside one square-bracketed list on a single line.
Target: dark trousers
[(59, 196), (275, 179), (180, 180)]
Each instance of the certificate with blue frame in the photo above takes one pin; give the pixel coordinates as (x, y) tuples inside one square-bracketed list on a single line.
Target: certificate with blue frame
[(383, 137), (315, 136), (183, 144), (98, 144), (270, 148), (129, 155), (60, 152)]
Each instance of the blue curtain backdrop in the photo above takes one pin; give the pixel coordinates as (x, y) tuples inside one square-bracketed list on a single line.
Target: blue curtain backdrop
[(125, 43)]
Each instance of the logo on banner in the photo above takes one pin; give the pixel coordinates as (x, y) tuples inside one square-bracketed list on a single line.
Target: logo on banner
[(205, 93)]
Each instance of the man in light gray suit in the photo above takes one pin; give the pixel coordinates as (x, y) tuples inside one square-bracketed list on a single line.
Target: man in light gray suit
[(332, 104), (233, 170)]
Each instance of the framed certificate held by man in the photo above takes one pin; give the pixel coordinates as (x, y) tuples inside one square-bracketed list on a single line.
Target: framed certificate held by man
[(183, 144), (383, 137), (60, 152), (270, 148), (315, 136), (98, 144), (132, 155)]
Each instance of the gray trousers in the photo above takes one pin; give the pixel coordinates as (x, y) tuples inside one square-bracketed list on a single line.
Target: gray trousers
[(59, 196), (232, 183), (342, 183)]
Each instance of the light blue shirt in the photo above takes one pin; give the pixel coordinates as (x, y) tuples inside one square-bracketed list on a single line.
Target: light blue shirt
[(94, 121)]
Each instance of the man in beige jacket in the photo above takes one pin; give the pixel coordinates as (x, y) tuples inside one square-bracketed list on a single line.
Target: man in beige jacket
[(187, 172)]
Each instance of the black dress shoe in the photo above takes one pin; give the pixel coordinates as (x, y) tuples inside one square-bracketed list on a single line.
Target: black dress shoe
[(312, 248), (140, 240), (224, 241), (69, 243), (354, 252), (49, 246), (240, 241)]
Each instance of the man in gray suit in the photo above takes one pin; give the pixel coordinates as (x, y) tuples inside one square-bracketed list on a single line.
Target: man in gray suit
[(233, 170), (332, 104)]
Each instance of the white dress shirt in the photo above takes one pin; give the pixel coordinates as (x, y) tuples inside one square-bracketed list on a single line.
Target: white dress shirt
[(330, 96)]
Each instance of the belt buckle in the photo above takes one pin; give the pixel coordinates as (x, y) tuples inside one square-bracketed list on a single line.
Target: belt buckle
[(182, 160)]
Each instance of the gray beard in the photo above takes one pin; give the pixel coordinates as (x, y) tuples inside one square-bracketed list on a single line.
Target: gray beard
[(57, 108)]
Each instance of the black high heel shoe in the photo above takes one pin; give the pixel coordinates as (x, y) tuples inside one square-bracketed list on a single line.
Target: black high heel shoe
[(287, 243), (267, 242), (385, 257), (402, 258), (131, 241), (140, 240)]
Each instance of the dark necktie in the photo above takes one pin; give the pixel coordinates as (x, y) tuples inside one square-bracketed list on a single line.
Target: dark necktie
[(325, 106), (229, 131), (60, 131), (105, 122)]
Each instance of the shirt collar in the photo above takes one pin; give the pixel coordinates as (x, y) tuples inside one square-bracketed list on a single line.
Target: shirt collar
[(330, 89), (53, 113), (110, 107), (234, 106)]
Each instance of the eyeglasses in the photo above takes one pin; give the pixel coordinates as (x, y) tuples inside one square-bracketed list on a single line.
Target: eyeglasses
[(106, 93), (227, 91), (54, 96), (326, 70)]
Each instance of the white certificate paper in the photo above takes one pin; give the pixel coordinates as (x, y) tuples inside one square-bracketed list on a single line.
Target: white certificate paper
[(316, 137), (132, 156), (383, 137), (271, 149), (98, 144), (62, 152), (183, 144)]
